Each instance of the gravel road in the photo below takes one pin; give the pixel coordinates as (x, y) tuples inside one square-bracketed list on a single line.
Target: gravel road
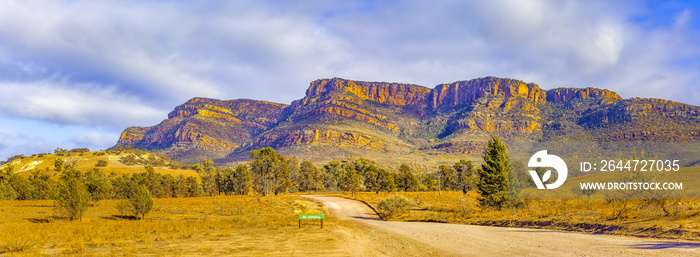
[(467, 240)]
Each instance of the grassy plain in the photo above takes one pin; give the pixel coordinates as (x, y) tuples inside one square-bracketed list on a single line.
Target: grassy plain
[(212, 226), (624, 217)]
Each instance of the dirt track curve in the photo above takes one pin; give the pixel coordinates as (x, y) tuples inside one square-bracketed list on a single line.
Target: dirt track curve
[(466, 240)]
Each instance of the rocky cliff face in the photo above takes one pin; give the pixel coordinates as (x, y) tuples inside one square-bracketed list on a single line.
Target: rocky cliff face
[(377, 119), (384, 93), (559, 95), (466, 92)]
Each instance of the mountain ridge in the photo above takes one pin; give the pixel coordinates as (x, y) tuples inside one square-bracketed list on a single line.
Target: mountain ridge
[(339, 118)]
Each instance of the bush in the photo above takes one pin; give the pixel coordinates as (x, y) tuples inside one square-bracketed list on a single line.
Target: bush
[(101, 163), (394, 205), (123, 207), (142, 201), (129, 159), (73, 197), (466, 206), (22, 187), (7, 192)]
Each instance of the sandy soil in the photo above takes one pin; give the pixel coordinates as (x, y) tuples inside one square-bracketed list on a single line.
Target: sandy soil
[(389, 238)]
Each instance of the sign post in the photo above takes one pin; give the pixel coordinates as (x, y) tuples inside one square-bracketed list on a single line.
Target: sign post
[(312, 217)]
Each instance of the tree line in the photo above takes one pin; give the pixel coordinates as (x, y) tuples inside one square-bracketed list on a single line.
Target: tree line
[(268, 172), (40, 186)]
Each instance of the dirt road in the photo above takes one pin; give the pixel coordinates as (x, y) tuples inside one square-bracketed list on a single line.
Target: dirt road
[(466, 240)]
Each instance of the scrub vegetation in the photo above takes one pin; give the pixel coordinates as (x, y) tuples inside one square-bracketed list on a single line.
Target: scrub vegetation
[(68, 208)]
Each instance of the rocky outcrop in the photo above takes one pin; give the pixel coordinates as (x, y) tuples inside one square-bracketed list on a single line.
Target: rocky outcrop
[(466, 92), (132, 135), (559, 95), (313, 137), (379, 92)]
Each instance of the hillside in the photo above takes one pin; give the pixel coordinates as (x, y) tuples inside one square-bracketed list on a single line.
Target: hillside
[(404, 123), (109, 162)]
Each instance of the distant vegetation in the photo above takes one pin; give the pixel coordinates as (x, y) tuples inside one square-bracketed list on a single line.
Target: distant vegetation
[(266, 173)]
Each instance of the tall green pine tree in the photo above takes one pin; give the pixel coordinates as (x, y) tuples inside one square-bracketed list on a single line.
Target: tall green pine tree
[(493, 176)]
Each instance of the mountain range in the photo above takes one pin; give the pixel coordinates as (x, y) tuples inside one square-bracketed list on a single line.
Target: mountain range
[(405, 123)]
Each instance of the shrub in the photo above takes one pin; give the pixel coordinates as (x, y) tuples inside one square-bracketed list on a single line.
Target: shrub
[(394, 205), (129, 159), (73, 198), (23, 188), (7, 192), (123, 207), (142, 201), (466, 206), (101, 163)]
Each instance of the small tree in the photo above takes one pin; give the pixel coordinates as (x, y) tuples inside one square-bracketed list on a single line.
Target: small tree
[(208, 173), (429, 184), (466, 175), (515, 180), (446, 178), (73, 197), (310, 178), (407, 181), (349, 181), (270, 171), (141, 201), (194, 188), (58, 164), (98, 185), (379, 179), (332, 170), (493, 176), (241, 180), (23, 187)]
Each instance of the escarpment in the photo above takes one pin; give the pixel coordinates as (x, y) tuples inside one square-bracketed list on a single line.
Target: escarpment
[(378, 119)]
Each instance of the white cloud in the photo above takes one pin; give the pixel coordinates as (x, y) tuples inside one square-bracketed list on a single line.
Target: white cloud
[(95, 140), (13, 143), (63, 102), (7, 138), (552, 43), (169, 52)]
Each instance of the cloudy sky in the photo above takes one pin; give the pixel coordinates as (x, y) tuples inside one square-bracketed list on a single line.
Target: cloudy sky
[(76, 73)]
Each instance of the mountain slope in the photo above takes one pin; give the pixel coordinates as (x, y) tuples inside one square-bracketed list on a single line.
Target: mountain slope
[(396, 123), (205, 128)]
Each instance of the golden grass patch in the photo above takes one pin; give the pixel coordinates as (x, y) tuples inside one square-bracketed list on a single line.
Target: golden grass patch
[(630, 217), (222, 225)]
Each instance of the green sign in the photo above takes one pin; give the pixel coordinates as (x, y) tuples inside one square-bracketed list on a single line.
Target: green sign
[(311, 217)]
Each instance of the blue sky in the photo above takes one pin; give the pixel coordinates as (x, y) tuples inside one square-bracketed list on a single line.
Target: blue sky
[(76, 73)]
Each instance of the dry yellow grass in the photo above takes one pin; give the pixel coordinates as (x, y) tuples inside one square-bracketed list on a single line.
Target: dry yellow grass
[(87, 161), (641, 217), (223, 225)]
